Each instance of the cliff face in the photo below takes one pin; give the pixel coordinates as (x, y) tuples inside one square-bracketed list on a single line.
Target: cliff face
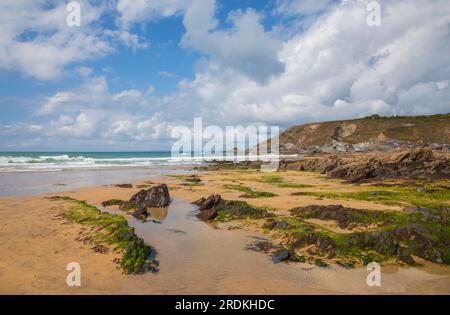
[(372, 133)]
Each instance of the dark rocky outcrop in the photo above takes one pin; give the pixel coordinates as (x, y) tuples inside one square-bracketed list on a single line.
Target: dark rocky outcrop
[(324, 243), (429, 242), (277, 224), (211, 202), (280, 255), (140, 213), (344, 217), (231, 209), (415, 163), (154, 197), (208, 207)]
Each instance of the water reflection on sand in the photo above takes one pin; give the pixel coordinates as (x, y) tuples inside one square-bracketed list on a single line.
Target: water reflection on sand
[(197, 258)]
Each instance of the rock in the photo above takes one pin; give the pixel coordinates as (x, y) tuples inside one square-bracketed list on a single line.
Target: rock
[(419, 240), (209, 203), (231, 208), (262, 246), (405, 256), (324, 243), (273, 224), (124, 185), (140, 213), (241, 209), (208, 207), (248, 196), (347, 264), (198, 202), (102, 249), (207, 215), (332, 212), (421, 210), (413, 163), (154, 197), (280, 255), (193, 179)]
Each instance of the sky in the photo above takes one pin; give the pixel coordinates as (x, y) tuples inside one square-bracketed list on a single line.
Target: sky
[(135, 69)]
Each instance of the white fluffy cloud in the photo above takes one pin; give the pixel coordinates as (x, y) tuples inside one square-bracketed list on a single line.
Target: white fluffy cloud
[(126, 94), (54, 101), (138, 11), (302, 7), (342, 68), (93, 112), (36, 40), (246, 48)]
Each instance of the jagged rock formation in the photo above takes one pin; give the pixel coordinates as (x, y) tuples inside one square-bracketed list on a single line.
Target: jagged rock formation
[(154, 197), (214, 204), (415, 163)]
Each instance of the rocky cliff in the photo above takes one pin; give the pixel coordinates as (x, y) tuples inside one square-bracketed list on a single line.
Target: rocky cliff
[(374, 133)]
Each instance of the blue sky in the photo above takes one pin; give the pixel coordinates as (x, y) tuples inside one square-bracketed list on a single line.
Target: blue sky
[(159, 64), (135, 69)]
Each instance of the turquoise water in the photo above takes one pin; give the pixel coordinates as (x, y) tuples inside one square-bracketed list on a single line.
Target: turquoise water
[(35, 161)]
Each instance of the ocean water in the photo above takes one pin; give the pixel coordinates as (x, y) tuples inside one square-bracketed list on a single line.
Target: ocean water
[(35, 173), (58, 161)]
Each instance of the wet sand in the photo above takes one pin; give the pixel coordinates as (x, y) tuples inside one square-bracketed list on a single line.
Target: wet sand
[(195, 258), (40, 182)]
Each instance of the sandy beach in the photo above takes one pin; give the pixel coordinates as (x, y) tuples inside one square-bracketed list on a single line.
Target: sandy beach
[(195, 257)]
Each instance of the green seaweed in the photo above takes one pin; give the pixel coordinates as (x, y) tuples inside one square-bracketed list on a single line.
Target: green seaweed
[(400, 236), (280, 182), (294, 185), (112, 230), (233, 209), (429, 196), (112, 202), (129, 207), (250, 192), (272, 179)]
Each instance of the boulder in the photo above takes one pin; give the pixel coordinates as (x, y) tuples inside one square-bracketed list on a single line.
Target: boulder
[(412, 163), (140, 213), (207, 215), (154, 197), (208, 207), (280, 255), (231, 208), (208, 203)]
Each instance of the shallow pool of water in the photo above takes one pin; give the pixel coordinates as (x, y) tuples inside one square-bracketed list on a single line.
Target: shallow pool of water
[(198, 258)]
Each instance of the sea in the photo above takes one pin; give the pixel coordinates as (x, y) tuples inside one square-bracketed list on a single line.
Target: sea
[(58, 161), (36, 173)]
